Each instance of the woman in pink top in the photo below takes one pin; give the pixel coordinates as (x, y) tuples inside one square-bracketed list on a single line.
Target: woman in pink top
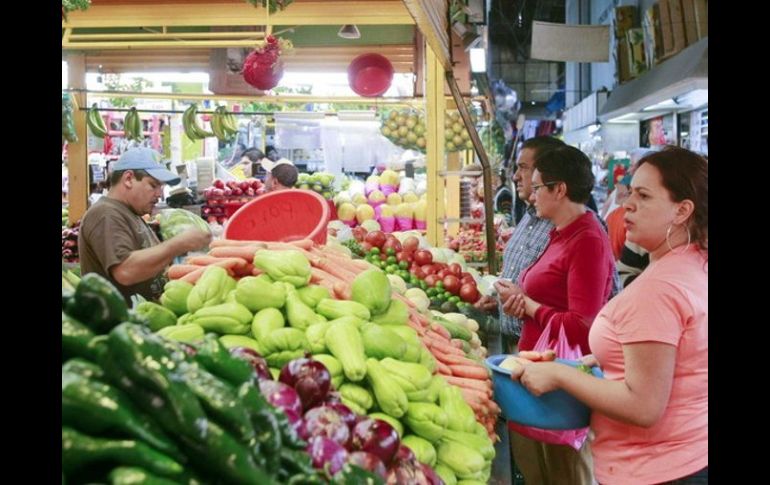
[(651, 410)]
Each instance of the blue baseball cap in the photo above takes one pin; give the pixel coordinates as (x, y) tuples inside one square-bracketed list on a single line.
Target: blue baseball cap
[(146, 159)]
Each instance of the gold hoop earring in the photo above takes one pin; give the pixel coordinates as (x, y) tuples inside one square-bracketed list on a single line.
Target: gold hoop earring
[(668, 241)]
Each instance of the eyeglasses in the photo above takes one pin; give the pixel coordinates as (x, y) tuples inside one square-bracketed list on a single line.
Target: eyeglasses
[(547, 184)]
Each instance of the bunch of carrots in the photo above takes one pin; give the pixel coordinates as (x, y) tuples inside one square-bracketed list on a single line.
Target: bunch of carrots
[(335, 271)]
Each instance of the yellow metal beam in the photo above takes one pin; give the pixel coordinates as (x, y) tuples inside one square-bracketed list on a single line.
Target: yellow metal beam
[(384, 12), (452, 193), (435, 106), (431, 18), (170, 35), (158, 44), (270, 99), (77, 153)]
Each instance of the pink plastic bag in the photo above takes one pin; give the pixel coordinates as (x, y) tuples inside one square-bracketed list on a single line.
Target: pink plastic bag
[(571, 437)]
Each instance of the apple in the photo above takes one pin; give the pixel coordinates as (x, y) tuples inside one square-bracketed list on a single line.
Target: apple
[(250, 192), (244, 186), (228, 192), (219, 184), (237, 192)]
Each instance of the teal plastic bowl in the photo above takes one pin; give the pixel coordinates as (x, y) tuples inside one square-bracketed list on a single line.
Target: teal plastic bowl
[(552, 410)]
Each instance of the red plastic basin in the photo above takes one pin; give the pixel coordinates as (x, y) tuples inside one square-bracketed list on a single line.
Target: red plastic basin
[(370, 75), (286, 215)]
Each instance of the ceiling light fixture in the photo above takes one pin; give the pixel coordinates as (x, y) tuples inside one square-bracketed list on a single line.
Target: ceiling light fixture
[(349, 32)]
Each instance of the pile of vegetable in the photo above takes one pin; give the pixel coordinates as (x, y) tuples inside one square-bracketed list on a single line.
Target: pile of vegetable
[(139, 408), (320, 182), (384, 357), (69, 243), (406, 129)]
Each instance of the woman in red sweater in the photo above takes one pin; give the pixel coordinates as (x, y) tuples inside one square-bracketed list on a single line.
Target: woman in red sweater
[(565, 287)]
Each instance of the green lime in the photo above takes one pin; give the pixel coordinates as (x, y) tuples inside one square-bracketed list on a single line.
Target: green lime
[(390, 269), (391, 260), (454, 299), (390, 252), (403, 265), (431, 292), (423, 284), (440, 284), (374, 250)]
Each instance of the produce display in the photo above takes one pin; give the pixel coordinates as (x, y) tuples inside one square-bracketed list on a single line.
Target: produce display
[(175, 221), (387, 199), (306, 287), (141, 408), (406, 129), (65, 215), (95, 122), (472, 245), (320, 182), (222, 199), (69, 243)]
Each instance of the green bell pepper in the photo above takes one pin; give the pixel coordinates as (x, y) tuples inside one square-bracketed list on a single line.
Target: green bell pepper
[(75, 338), (157, 316), (98, 304), (80, 450)]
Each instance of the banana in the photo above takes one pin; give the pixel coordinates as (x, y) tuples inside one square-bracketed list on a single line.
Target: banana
[(216, 125), (187, 124), (138, 126), (199, 131), (128, 126), (229, 122), (96, 123)]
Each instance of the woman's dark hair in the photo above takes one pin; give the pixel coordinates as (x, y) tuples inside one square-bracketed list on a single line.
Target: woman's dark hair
[(254, 154), (569, 165), (685, 175)]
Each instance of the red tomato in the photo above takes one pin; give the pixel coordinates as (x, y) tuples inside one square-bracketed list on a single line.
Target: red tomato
[(464, 274), (419, 273), (451, 283), (467, 280), (392, 242), (411, 244), (402, 256), (469, 293), (456, 269), (429, 269), (431, 280), (366, 246), (376, 238), (423, 257), (442, 273)]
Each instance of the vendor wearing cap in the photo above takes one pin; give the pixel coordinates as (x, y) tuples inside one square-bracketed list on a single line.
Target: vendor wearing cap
[(281, 174), (117, 243)]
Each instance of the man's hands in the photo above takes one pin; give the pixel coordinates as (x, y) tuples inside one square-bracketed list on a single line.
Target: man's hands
[(191, 240)]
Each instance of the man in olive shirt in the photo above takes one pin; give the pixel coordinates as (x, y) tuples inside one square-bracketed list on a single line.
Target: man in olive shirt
[(117, 243)]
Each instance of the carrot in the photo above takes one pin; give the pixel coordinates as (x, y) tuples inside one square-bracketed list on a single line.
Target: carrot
[(206, 260), (454, 359), (532, 355), (324, 264), (302, 243), (245, 270), (193, 276), (445, 348), (176, 271), (456, 342), (473, 394), (243, 252), (441, 330), (218, 243), (341, 291), (464, 383), (443, 369), (472, 372)]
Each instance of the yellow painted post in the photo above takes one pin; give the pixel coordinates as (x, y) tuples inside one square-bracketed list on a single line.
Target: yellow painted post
[(435, 105), (453, 193), (77, 153)]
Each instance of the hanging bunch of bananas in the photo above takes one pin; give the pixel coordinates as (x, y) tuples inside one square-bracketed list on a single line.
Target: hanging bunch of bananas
[(95, 122), (68, 108), (132, 125), (192, 129), (223, 124)]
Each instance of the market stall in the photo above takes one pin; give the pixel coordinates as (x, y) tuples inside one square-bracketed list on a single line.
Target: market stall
[(309, 364)]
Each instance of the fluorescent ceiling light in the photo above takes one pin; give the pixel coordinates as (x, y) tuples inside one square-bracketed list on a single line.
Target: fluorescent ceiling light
[(626, 118), (695, 98), (668, 103), (478, 60)]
